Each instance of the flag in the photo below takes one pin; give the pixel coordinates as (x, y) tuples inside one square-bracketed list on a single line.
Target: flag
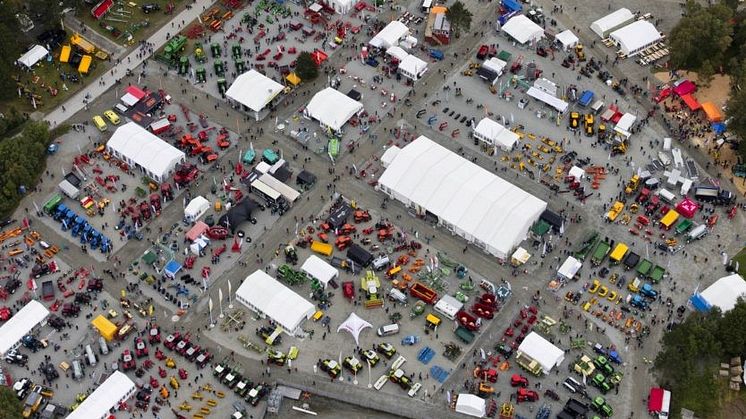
[(220, 294), (209, 304), (230, 288)]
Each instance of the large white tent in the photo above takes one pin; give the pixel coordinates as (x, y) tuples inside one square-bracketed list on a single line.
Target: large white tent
[(254, 91), (268, 297), (567, 39), (612, 21), (542, 351), (558, 104), (397, 52), (635, 37), (139, 147), (18, 326), (495, 134), (332, 108), (318, 268), (412, 67), (523, 29), (471, 404), (390, 35), (115, 390), (468, 200), (33, 56), (723, 294)]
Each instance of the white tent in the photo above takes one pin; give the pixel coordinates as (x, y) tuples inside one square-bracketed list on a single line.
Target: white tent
[(448, 306), (523, 29), (493, 133), (520, 256), (542, 351), (576, 172), (468, 200), (553, 101), (318, 268), (33, 56), (612, 21), (109, 395), (137, 146), (18, 326), (725, 292), (569, 268), (341, 6), (496, 65), (390, 35), (253, 90), (635, 37), (198, 244), (397, 52), (332, 108), (625, 124), (354, 324), (472, 405), (268, 297), (196, 208), (567, 39), (412, 67)]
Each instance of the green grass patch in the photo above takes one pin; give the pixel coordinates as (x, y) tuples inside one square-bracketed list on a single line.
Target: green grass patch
[(741, 259)]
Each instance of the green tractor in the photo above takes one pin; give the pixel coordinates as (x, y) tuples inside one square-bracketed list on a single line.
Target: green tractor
[(236, 52), (219, 68), (215, 49), (600, 405), (199, 53), (173, 48), (240, 67), (183, 65), (201, 74), (222, 86)]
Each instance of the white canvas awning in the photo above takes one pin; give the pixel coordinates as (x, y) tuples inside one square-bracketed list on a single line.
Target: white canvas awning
[(635, 37), (725, 292), (614, 20), (33, 56), (558, 104), (569, 268), (495, 64), (21, 324), (626, 122), (567, 39), (448, 305), (267, 296), (397, 52), (253, 90), (495, 134), (472, 405), (196, 208), (576, 172), (332, 108), (412, 67), (138, 146), (523, 29), (520, 256), (390, 35), (490, 212), (542, 351), (318, 268), (115, 390)]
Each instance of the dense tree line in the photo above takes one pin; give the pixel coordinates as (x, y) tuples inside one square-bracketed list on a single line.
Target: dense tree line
[(690, 356)]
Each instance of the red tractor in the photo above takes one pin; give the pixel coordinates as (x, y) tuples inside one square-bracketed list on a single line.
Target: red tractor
[(342, 242), (145, 210), (524, 395), (167, 191), (217, 233), (361, 216), (185, 174), (517, 380), (155, 203)]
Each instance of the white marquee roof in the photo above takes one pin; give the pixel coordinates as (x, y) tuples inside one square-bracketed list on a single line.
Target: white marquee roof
[(498, 134), (553, 101), (397, 52), (635, 36), (253, 90), (145, 149), (495, 64), (390, 35), (274, 299), (332, 108), (626, 121), (33, 56), (567, 38), (106, 396), (319, 269), (488, 209), (542, 351), (197, 205), (569, 268), (523, 29), (413, 65), (611, 21), (354, 324), (471, 404), (20, 324), (725, 291)]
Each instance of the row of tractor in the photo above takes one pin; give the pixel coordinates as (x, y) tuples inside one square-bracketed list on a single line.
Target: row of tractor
[(242, 386), (79, 226)]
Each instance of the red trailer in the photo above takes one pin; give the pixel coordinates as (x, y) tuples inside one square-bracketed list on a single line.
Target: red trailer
[(160, 126), (467, 320), (483, 311), (421, 291)]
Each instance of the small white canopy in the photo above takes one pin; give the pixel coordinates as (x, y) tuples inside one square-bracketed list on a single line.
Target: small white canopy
[(390, 35), (635, 37), (397, 52), (332, 108), (341, 6), (495, 64), (576, 172), (569, 268), (472, 405), (523, 29), (196, 208), (567, 39), (354, 324), (33, 56), (613, 20), (253, 90), (137, 146), (317, 268), (520, 256), (553, 101), (495, 134), (448, 305), (725, 292), (626, 122), (412, 67), (542, 351)]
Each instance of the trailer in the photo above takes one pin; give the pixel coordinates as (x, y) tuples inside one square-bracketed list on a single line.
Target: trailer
[(464, 334), (422, 292), (47, 290), (600, 253), (586, 98), (631, 260), (644, 267), (683, 226), (657, 274)]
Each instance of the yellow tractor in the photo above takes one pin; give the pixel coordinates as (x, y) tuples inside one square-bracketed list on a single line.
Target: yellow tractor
[(579, 51)]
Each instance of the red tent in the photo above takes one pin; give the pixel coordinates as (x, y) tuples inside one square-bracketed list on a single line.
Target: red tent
[(686, 87), (319, 56), (687, 208), (659, 401), (196, 231), (100, 9), (691, 102)]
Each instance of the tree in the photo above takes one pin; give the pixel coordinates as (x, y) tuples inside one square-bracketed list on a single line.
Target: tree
[(9, 404), (10, 45), (706, 73), (702, 34), (22, 161), (305, 67), (47, 13), (459, 17), (737, 117)]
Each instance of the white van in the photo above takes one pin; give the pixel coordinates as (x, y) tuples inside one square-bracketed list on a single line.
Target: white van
[(77, 370), (102, 346), (388, 330), (397, 295), (90, 356)]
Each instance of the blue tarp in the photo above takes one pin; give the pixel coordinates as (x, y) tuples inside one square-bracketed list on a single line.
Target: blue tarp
[(172, 268), (699, 303), (719, 128), (512, 5), (585, 98)]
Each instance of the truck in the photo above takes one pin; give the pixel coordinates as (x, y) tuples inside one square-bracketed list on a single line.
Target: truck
[(714, 195), (644, 267), (599, 253), (422, 292), (683, 226), (657, 274), (464, 334), (697, 233), (529, 364), (588, 244), (586, 98), (47, 290)]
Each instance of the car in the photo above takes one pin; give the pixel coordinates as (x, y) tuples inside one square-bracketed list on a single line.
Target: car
[(386, 349), (331, 367), (14, 357), (150, 8), (595, 286), (518, 380), (410, 340), (128, 362), (525, 395), (112, 117), (140, 349), (370, 356), (603, 291), (352, 364), (603, 272)]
